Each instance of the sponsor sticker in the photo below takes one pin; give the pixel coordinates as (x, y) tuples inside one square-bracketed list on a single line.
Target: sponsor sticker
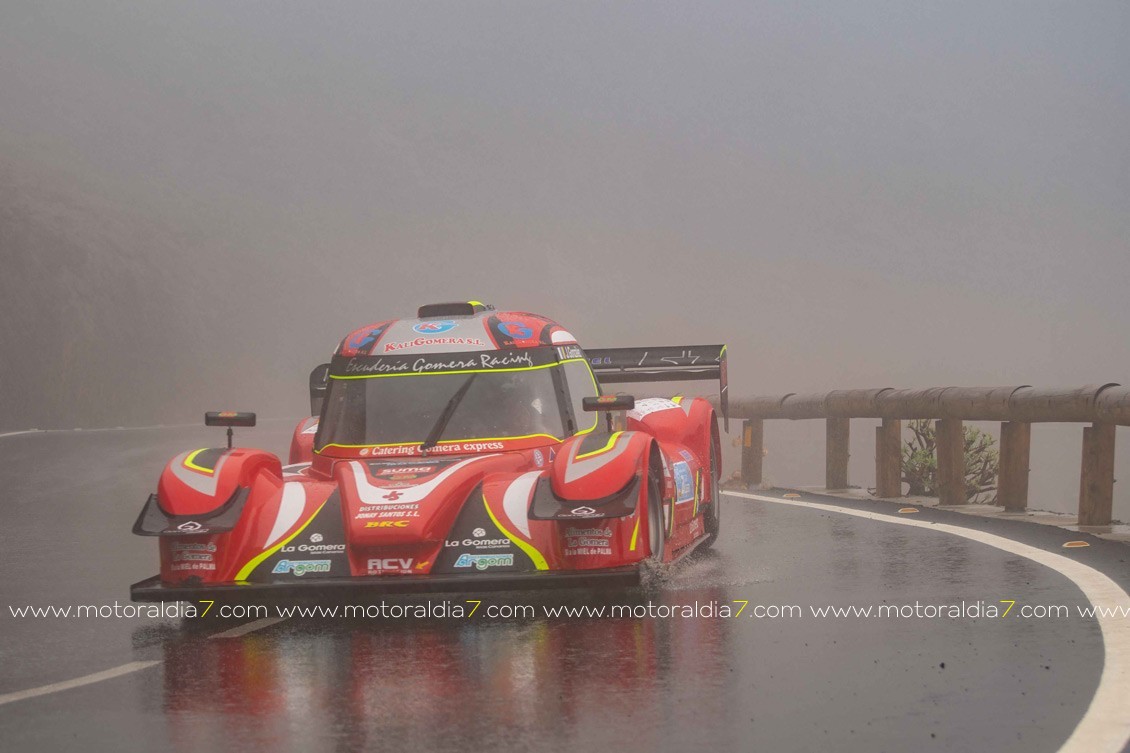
[(423, 342), (504, 359), (484, 561), (402, 464), (395, 565), (581, 551), (407, 469), (565, 352), (651, 405), (180, 546), (315, 548), (478, 542), (389, 501), (364, 339), (434, 327), (573, 531), (684, 482), (588, 541), (517, 330), (192, 557), (367, 512), (301, 567), (439, 449)]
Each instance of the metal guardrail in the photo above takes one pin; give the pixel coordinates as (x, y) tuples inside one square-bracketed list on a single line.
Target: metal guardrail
[(1103, 406)]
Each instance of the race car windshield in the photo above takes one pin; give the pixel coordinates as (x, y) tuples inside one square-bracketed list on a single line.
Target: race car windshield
[(402, 408)]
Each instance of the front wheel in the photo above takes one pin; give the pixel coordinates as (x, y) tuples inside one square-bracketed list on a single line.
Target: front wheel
[(656, 533)]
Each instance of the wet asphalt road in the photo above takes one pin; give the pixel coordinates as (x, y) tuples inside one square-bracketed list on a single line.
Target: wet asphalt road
[(661, 683)]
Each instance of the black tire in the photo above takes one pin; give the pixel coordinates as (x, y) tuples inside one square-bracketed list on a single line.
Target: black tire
[(656, 527), (713, 515)]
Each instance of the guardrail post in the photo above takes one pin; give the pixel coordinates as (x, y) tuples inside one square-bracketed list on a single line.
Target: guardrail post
[(888, 458), (1012, 477), (836, 454), (1096, 482), (753, 444), (950, 436)]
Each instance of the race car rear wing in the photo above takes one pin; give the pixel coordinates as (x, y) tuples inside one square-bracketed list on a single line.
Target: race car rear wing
[(676, 363)]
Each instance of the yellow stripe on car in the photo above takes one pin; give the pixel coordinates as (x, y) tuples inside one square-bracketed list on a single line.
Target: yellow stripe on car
[(611, 442), (247, 569), (534, 554), (456, 371), (443, 441), (188, 462)]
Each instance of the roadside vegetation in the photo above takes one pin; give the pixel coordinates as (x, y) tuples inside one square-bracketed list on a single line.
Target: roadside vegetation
[(920, 463)]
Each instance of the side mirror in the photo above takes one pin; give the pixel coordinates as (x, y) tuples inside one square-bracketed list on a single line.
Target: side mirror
[(608, 403), (319, 381), (229, 418)]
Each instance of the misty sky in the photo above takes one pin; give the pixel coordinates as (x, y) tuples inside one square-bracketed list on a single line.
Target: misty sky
[(849, 194)]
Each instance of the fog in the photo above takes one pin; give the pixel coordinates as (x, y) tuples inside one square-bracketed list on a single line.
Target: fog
[(198, 200)]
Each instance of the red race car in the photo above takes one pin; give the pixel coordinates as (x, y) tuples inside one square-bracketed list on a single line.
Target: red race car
[(465, 449)]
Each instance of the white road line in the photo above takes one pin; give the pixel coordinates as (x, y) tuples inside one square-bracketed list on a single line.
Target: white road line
[(1105, 727), (125, 669), (120, 428), (25, 431), (249, 627), (78, 682)]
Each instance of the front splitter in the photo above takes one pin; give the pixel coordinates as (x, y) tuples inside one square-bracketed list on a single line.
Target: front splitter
[(152, 589)]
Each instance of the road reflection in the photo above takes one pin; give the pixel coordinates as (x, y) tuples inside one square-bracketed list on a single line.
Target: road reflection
[(452, 683)]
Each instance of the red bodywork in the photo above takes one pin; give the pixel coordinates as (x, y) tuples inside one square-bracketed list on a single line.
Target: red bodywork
[(478, 508)]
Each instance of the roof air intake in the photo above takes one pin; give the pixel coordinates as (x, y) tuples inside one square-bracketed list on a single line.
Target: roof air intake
[(463, 308)]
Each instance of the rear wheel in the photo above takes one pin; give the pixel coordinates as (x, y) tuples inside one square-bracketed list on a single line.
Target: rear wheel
[(712, 516)]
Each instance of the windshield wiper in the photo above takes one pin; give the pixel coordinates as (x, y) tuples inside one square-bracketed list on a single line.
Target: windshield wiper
[(445, 416)]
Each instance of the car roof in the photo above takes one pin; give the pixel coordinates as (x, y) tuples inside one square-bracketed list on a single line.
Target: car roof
[(451, 328)]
